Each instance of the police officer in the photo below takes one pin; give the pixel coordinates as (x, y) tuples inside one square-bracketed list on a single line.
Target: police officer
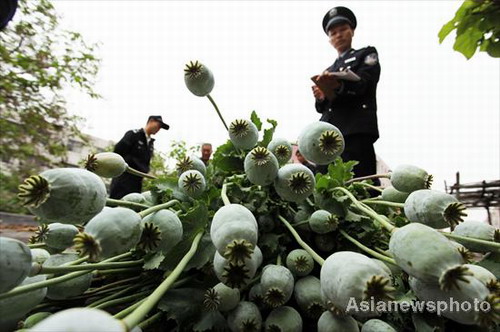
[(351, 106), (136, 147), (7, 11)]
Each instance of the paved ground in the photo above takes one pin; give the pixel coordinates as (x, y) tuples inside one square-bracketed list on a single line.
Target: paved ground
[(17, 226)]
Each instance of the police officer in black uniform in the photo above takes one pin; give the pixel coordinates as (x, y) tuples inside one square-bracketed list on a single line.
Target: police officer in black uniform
[(351, 106), (136, 147), (7, 11)]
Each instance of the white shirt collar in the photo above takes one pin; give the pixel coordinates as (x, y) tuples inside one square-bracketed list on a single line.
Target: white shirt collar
[(344, 53)]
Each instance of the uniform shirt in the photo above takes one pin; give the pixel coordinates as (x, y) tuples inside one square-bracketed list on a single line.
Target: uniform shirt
[(354, 110), (135, 149)]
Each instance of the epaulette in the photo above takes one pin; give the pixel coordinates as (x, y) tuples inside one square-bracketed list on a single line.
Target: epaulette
[(364, 49)]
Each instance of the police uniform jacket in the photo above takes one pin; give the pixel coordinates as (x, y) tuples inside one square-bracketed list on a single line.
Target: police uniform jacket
[(135, 149), (354, 110), (137, 152)]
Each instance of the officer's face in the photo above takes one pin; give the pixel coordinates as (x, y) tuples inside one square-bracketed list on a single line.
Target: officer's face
[(153, 127), (341, 37)]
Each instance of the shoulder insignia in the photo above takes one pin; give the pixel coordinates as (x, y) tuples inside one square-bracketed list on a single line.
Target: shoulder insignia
[(371, 59)]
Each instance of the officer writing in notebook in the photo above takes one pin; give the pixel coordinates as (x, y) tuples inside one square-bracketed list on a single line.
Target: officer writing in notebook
[(351, 106)]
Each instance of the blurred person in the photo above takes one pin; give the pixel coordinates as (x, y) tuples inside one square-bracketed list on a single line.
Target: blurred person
[(206, 152), (136, 147), (305, 162), (7, 11)]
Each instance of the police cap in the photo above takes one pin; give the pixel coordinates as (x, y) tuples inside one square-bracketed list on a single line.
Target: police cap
[(160, 120), (338, 15)]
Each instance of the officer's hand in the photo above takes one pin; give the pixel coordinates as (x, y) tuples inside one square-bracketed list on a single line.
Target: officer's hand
[(327, 83), (329, 79), (318, 94)]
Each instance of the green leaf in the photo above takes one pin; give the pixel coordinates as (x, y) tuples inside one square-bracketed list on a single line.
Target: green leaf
[(493, 48), (230, 164), (465, 9), (332, 202), (341, 171), (338, 173), (474, 20), (204, 253), (256, 120), (468, 23), (211, 321), (445, 30), (166, 188), (268, 133), (193, 221), (322, 182), (467, 42), (227, 159), (353, 217), (256, 200), (269, 243), (400, 221), (359, 190), (153, 260), (425, 322), (183, 305), (491, 263), (341, 198)]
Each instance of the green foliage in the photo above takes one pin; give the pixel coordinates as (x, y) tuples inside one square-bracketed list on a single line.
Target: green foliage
[(179, 150), (160, 166), (157, 167), (256, 120), (477, 26), (211, 321), (9, 202), (35, 69), (193, 221), (364, 225), (268, 133), (338, 173), (182, 305)]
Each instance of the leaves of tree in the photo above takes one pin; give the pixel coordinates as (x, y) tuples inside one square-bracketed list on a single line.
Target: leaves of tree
[(36, 69), (476, 24)]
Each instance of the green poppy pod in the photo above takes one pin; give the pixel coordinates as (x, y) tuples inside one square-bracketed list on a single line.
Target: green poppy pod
[(321, 142), (198, 79)]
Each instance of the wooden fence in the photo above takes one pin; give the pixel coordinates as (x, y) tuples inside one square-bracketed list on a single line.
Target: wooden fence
[(484, 194)]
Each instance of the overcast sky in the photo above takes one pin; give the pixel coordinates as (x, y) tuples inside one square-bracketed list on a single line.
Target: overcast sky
[(436, 110)]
